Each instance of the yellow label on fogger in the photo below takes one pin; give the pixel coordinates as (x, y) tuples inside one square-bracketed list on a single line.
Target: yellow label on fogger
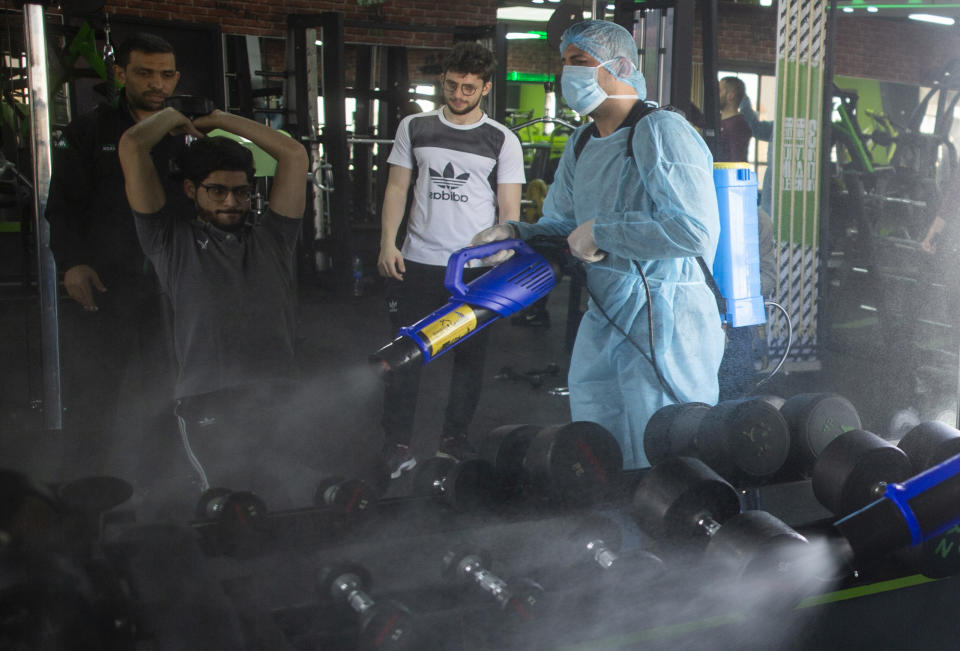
[(449, 329)]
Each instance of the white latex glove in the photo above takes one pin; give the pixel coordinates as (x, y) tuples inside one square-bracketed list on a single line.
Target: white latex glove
[(582, 244), (495, 234)]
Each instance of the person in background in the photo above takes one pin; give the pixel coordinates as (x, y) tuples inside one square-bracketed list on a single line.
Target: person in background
[(117, 356), (467, 172)]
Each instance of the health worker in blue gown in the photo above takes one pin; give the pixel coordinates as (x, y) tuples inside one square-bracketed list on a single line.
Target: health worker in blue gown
[(651, 205)]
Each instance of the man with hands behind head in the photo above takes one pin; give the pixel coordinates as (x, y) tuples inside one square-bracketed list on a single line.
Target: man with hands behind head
[(231, 281), (639, 194)]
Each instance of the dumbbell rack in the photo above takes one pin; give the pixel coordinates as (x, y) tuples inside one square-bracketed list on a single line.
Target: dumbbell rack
[(268, 596)]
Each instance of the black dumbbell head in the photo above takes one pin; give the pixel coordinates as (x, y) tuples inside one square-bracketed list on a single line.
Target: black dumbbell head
[(524, 601), (391, 627), (930, 443), (852, 470), (676, 494), (744, 440), (671, 430), (505, 448), (755, 542), (575, 464), (815, 419), (352, 498)]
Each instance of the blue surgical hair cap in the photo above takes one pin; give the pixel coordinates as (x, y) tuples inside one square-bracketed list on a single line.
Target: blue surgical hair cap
[(606, 41)]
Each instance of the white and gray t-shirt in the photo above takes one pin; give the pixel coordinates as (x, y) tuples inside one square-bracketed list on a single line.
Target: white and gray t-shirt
[(458, 168)]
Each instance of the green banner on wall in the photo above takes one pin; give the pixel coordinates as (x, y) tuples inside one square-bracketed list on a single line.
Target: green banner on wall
[(801, 46)]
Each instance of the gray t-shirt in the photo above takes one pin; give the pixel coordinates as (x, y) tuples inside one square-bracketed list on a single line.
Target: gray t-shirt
[(233, 297)]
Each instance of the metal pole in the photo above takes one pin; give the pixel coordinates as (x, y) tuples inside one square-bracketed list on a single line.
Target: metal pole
[(36, 46), (711, 87)]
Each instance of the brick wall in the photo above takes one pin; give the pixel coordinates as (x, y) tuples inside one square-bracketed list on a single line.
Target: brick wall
[(260, 18), (873, 47)]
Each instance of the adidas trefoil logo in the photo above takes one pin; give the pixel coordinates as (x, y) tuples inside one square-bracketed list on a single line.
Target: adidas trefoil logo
[(449, 180)]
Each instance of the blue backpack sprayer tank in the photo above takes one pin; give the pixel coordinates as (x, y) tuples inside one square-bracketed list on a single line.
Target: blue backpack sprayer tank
[(736, 267), (509, 287)]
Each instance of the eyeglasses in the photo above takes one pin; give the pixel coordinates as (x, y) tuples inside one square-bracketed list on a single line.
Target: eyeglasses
[(219, 192), (451, 87)]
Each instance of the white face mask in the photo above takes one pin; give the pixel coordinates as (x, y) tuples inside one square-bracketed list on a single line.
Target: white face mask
[(581, 90)]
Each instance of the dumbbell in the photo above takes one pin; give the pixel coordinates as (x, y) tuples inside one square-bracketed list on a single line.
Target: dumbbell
[(595, 546), (855, 468), (744, 440), (504, 448), (682, 502), (387, 625), (573, 464), (354, 499), (517, 600), (465, 485), (815, 419), (928, 444), (240, 517)]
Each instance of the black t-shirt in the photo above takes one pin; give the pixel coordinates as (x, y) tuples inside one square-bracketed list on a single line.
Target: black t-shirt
[(87, 207), (232, 294)]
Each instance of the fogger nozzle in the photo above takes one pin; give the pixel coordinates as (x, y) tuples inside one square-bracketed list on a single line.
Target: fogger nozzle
[(506, 289), (909, 513)]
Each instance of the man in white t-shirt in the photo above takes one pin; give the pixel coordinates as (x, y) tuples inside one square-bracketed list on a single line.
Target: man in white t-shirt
[(467, 171)]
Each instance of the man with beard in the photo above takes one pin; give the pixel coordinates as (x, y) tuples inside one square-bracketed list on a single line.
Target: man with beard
[(469, 172), (232, 287), (115, 351)]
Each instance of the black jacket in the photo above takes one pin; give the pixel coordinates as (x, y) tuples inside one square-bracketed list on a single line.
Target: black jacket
[(90, 218)]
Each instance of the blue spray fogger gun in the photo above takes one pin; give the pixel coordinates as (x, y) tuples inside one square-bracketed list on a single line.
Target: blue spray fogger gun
[(507, 288), (907, 513)]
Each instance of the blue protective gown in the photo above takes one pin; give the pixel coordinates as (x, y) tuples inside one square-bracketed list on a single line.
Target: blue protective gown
[(659, 208)]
